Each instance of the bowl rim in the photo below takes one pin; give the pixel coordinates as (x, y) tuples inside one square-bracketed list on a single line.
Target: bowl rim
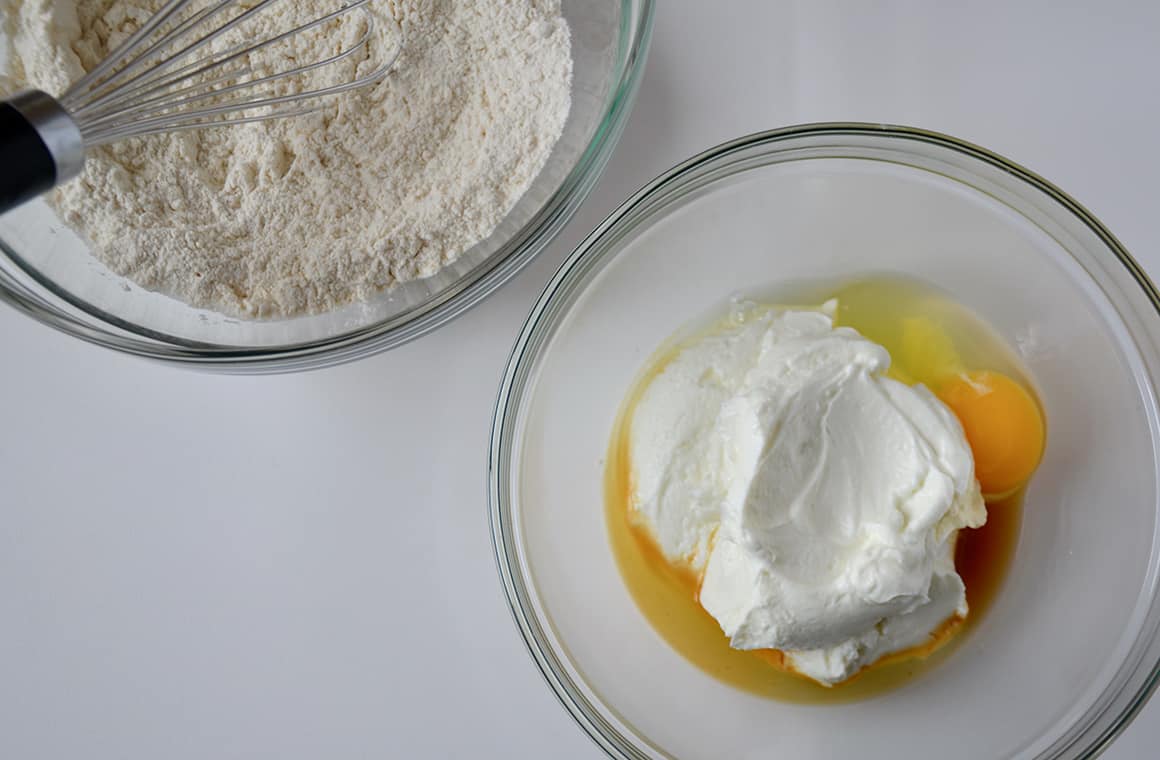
[(636, 24), (526, 351)]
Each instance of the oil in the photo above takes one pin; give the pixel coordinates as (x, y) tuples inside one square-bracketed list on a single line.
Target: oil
[(928, 335)]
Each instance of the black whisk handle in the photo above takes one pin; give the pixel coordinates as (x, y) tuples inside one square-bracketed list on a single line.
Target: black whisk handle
[(40, 147)]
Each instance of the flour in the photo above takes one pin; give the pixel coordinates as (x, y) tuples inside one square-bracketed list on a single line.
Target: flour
[(306, 214)]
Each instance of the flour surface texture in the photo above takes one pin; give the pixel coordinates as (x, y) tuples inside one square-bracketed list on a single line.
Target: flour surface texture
[(307, 214)]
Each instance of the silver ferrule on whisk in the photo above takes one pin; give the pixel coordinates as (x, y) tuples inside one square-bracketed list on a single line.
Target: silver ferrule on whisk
[(56, 129)]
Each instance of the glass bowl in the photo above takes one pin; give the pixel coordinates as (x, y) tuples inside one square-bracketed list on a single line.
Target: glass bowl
[(46, 271), (1068, 652)]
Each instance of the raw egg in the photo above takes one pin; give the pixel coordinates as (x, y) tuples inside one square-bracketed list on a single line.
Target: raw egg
[(1003, 425)]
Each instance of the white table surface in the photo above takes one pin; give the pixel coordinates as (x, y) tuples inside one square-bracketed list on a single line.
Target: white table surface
[(300, 567)]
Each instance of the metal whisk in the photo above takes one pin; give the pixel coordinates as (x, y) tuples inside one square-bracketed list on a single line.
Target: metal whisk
[(166, 77)]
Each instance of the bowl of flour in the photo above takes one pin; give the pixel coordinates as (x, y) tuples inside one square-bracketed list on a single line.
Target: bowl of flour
[(320, 238)]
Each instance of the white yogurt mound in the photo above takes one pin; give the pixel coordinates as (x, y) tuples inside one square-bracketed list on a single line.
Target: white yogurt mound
[(819, 497)]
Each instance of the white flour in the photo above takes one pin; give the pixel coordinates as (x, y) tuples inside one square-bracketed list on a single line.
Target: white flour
[(306, 214)]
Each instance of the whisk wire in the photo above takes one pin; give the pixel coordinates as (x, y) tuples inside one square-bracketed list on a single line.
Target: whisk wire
[(204, 66), (203, 91), (101, 92), (113, 136), (125, 49), (92, 112), (160, 91), (178, 122), (181, 69), (111, 87)]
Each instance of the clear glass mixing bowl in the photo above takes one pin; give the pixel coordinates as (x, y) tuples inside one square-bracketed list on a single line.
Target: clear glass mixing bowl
[(47, 272), (1069, 651)]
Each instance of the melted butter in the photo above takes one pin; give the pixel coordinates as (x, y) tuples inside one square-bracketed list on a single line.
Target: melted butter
[(929, 337)]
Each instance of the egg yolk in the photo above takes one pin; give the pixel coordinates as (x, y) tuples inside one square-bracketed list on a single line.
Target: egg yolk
[(1003, 426)]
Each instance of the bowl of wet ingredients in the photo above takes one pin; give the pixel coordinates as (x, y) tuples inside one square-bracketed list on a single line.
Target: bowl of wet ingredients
[(834, 440)]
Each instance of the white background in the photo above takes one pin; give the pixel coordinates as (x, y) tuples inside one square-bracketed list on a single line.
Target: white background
[(300, 567)]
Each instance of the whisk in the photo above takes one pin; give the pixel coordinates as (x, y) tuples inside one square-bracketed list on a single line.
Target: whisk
[(166, 77)]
